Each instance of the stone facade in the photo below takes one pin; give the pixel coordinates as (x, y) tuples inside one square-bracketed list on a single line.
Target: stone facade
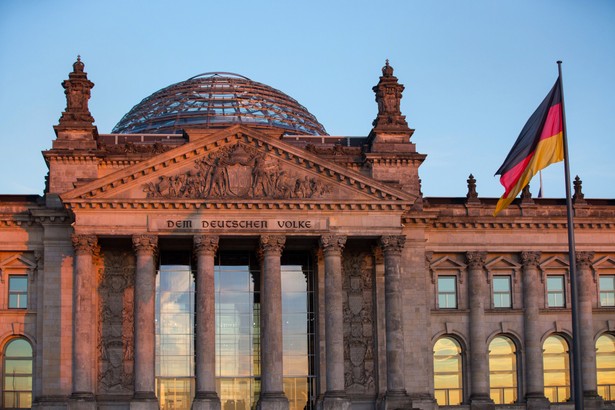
[(90, 251)]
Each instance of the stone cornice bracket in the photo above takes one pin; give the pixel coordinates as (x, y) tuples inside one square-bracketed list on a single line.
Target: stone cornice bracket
[(85, 244), (476, 259), (392, 244), (584, 259), (333, 243), (207, 244), (145, 243), (272, 244)]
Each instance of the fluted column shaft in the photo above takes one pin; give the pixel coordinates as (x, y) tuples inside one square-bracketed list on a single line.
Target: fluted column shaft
[(83, 316), (144, 316), (392, 247), (587, 296), (272, 389), (532, 300), (205, 248), (332, 247), (479, 353)]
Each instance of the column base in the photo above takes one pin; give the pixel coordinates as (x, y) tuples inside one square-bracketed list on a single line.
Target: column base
[(481, 403), (206, 401), (423, 402), (272, 401), (591, 400), (144, 401), (335, 400), (393, 400), (82, 401), (537, 402)]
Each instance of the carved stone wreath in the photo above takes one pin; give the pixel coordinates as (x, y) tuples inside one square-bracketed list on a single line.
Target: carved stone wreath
[(237, 171)]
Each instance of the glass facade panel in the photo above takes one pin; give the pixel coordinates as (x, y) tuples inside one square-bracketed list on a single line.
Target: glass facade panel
[(555, 291), (503, 370), (447, 292), (502, 292), (18, 292), (17, 378), (448, 374), (605, 366), (556, 363), (607, 290)]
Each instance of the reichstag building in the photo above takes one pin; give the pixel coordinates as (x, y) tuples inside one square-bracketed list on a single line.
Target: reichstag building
[(218, 250)]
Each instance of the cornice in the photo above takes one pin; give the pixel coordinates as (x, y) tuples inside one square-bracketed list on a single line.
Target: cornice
[(519, 224)]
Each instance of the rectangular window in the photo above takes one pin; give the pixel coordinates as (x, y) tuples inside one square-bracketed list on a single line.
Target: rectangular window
[(447, 292), (607, 290), (502, 295), (555, 291), (18, 292)]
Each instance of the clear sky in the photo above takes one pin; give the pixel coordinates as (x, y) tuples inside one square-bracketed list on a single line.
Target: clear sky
[(474, 72)]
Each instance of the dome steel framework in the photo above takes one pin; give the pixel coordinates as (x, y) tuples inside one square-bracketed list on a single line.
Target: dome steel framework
[(218, 99)]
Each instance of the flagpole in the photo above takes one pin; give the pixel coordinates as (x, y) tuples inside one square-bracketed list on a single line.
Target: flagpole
[(576, 333)]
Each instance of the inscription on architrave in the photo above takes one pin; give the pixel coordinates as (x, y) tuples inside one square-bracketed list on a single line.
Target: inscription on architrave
[(180, 223), (358, 322), (237, 171), (116, 293)]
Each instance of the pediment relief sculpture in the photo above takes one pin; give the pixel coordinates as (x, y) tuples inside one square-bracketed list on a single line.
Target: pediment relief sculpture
[(237, 171)]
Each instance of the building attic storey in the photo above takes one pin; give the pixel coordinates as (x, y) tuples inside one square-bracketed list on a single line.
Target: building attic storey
[(218, 250)]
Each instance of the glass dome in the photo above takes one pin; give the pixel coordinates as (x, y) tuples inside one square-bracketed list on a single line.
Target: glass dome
[(215, 100)]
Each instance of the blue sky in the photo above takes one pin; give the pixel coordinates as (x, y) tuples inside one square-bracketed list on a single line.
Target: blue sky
[(474, 71)]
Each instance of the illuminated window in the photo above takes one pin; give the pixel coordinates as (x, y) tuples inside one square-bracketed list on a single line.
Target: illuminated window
[(605, 365), (503, 370), (556, 362), (607, 290), (555, 291), (447, 292), (447, 365), (17, 387), (501, 292), (18, 292)]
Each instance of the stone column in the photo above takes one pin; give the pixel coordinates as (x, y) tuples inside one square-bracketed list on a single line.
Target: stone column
[(84, 335), (533, 299), (478, 293), (144, 316), (396, 395), (335, 396), (272, 390), (206, 397), (586, 301)]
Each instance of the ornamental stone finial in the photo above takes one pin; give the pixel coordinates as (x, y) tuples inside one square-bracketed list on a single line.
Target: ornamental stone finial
[(77, 89), (206, 243), (579, 196), (392, 243), (145, 243), (84, 243), (476, 259), (472, 195), (333, 243), (272, 243), (530, 259)]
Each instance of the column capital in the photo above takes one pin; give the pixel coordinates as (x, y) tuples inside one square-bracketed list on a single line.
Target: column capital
[(207, 244), (145, 243), (85, 244), (332, 243), (392, 243), (272, 243), (584, 259), (530, 259), (476, 259)]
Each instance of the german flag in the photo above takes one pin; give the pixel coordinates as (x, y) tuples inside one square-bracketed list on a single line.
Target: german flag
[(540, 144)]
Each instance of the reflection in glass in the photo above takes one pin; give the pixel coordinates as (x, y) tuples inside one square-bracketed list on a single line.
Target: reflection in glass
[(503, 370), (605, 365), (555, 291), (556, 363), (607, 290), (17, 383), (501, 292), (18, 292), (175, 382), (448, 388)]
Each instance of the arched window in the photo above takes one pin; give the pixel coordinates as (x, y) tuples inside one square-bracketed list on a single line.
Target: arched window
[(503, 370), (556, 363), (447, 366), (605, 365), (17, 380)]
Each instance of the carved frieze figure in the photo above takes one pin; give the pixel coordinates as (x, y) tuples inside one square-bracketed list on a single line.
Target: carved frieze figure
[(237, 171)]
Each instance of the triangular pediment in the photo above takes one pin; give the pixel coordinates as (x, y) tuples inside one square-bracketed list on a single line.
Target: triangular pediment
[(238, 165)]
